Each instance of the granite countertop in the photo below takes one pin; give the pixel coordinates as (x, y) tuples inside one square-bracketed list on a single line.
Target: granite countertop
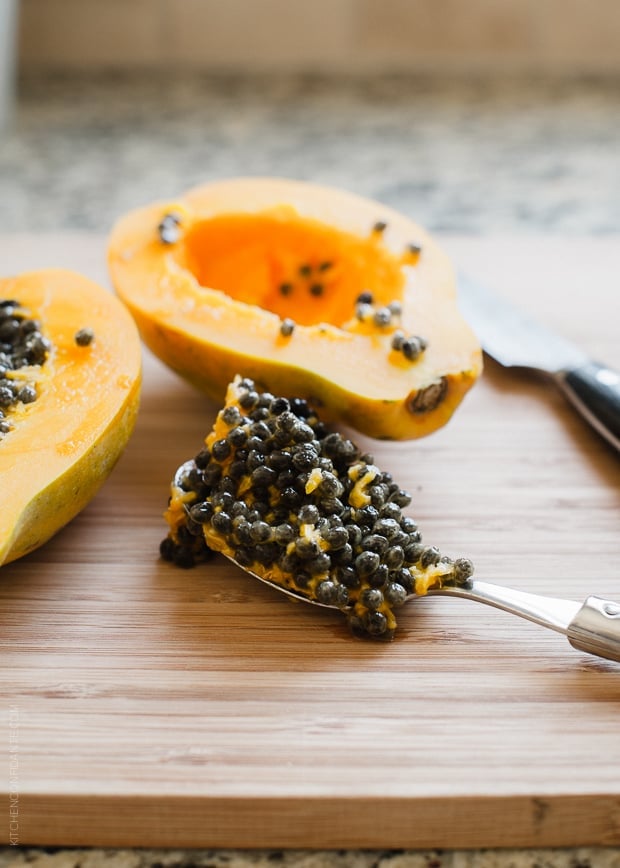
[(97, 858), (471, 156), (474, 156)]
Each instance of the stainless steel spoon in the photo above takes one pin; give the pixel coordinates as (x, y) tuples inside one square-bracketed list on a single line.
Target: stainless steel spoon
[(592, 626)]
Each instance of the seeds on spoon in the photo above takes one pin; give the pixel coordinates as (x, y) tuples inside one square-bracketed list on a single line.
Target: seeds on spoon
[(301, 506)]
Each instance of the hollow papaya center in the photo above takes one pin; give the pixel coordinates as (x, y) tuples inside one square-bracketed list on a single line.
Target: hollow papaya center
[(293, 266)]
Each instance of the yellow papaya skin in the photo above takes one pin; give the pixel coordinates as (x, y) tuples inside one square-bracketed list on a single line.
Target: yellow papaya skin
[(215, 279), (62, 446)]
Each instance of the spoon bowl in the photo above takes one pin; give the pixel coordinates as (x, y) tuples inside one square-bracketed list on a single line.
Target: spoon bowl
[(592, 626)]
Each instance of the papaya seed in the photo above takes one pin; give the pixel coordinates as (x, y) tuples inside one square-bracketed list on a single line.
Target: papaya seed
[(169, 228), (287, 327), (382, 317), (84, 337)]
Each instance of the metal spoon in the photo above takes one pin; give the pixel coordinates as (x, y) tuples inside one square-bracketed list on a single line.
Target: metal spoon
[(592, 626)]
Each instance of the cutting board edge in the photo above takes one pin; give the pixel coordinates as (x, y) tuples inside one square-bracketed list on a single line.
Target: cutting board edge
[(445, 822)]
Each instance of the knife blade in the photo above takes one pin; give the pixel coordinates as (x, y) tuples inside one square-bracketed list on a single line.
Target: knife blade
[(514, 339)]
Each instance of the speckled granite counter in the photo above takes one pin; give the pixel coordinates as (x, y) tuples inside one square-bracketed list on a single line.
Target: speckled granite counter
[(95, 858), (469, 157), (472, 156), (99, 858)]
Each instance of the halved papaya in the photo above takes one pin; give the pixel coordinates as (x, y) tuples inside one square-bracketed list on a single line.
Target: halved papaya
[(70, 371), (310, 291)]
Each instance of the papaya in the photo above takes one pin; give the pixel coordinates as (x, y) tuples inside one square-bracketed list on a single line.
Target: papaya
[(310, 291), (70, 377)]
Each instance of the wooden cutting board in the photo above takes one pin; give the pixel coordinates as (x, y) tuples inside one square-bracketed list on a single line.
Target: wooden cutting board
[(147, 705)]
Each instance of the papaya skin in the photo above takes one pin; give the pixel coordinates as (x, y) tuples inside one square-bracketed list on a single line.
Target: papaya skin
[(64, 445), (211, 304)]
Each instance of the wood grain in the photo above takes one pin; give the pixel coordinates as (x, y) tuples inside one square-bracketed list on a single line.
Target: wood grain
[(153, 706)]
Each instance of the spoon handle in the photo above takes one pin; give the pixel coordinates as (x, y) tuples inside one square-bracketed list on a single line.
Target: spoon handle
[(593, 626)]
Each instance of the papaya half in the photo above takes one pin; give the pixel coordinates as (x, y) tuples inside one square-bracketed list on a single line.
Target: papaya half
[(309, 291), (70, 372)]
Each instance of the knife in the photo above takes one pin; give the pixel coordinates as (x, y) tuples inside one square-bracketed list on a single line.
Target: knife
[(514, 340)]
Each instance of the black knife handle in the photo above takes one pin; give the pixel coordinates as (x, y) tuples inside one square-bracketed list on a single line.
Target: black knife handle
[(594, 390)]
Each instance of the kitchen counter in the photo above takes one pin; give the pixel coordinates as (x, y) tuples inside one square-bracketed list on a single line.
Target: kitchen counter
[(473, 156), (97, 858), (470, 157)]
